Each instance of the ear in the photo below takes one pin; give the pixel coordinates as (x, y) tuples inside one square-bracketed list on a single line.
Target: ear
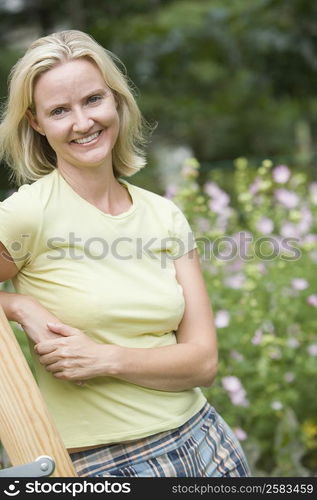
[(31, 118)]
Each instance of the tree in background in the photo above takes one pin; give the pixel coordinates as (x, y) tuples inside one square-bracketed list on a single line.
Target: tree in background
[(222, 78)]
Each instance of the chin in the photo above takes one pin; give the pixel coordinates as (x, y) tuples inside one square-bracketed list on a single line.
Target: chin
[(94, 162)]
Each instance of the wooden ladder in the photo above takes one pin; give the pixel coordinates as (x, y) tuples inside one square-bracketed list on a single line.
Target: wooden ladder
[(27, 430)]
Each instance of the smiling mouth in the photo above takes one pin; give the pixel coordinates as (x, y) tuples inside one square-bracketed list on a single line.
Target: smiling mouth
[(89, 138)]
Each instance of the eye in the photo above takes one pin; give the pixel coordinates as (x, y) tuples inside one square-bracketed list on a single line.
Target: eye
[(94, 98), (58, 112)]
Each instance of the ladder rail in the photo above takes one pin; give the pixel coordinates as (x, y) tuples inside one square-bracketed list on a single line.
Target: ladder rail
[(27, 430)]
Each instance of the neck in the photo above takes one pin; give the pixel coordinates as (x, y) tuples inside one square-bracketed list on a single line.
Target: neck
[(98, 186)]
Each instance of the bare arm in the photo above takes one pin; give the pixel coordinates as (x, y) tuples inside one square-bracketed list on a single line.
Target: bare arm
[(192, 362)]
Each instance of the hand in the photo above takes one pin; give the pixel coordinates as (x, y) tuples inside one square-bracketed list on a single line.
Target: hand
[(71, 356)]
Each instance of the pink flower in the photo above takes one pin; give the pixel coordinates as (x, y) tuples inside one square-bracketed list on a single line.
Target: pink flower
[(212, 189), (235, 281), (289, 230), (265, 225), (231, 383), (223, 216), (306, 220), (240, 433), (170, 191), (281, 174), (309, 238), (287, 198), (238, 398), (261, 268), (255, 186), (222, 318), (299, 284), (236, 355), (312, 349), (312, 300), (236, 265), (219, 199), (257, 337), (219, 203), (235, 390)]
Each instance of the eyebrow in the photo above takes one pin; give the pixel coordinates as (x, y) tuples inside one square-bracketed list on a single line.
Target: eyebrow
[(51, 107)]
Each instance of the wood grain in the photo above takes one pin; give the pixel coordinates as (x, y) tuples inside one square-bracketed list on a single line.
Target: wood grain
[(26, 428)]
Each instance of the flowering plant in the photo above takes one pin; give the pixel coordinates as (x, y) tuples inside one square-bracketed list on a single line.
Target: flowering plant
[(256, 237)]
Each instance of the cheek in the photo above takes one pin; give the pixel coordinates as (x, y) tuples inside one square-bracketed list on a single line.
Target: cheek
[(107, 115), (110, 119), (57, 134)]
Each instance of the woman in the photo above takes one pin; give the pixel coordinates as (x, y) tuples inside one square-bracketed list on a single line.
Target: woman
[(107, 278)]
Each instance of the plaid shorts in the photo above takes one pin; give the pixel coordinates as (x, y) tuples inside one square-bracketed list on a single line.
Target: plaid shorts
[(204, 446)]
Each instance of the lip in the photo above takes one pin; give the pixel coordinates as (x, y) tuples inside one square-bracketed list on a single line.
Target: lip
[(88, 143)]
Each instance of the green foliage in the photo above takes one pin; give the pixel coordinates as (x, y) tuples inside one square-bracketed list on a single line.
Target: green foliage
[(264, 299), (220, 76)]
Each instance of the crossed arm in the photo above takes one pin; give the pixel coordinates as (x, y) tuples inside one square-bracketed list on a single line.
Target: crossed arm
[(70, 354)]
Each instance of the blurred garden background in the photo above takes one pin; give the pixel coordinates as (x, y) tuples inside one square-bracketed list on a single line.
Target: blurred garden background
[(229, 89)]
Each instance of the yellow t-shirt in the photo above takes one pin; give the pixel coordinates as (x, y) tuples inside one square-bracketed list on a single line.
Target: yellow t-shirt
[(112, 276)]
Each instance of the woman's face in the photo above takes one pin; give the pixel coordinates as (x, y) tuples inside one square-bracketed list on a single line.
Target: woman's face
[(78, 114)]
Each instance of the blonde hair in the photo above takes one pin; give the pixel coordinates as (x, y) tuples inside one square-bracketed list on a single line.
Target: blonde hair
[(26, 152)]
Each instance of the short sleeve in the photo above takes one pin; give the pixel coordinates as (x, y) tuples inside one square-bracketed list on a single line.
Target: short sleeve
[(19, 223), (183, 239)]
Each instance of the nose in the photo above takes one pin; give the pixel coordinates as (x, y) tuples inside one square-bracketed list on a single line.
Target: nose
[(82, 122)]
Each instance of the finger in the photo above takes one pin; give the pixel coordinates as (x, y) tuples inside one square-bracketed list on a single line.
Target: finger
[(45, 347), (61, 374), (48, 359), (54, 367), (62, 329)]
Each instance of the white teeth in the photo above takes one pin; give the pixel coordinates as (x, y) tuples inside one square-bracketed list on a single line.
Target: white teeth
[(87, 139)]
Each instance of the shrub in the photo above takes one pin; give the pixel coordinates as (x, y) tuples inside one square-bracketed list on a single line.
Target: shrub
[(258, 247)]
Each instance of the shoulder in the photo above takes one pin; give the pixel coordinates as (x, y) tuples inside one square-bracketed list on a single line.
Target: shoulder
[(25, 206), (157, 201), (30, 196), (21, 220)]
